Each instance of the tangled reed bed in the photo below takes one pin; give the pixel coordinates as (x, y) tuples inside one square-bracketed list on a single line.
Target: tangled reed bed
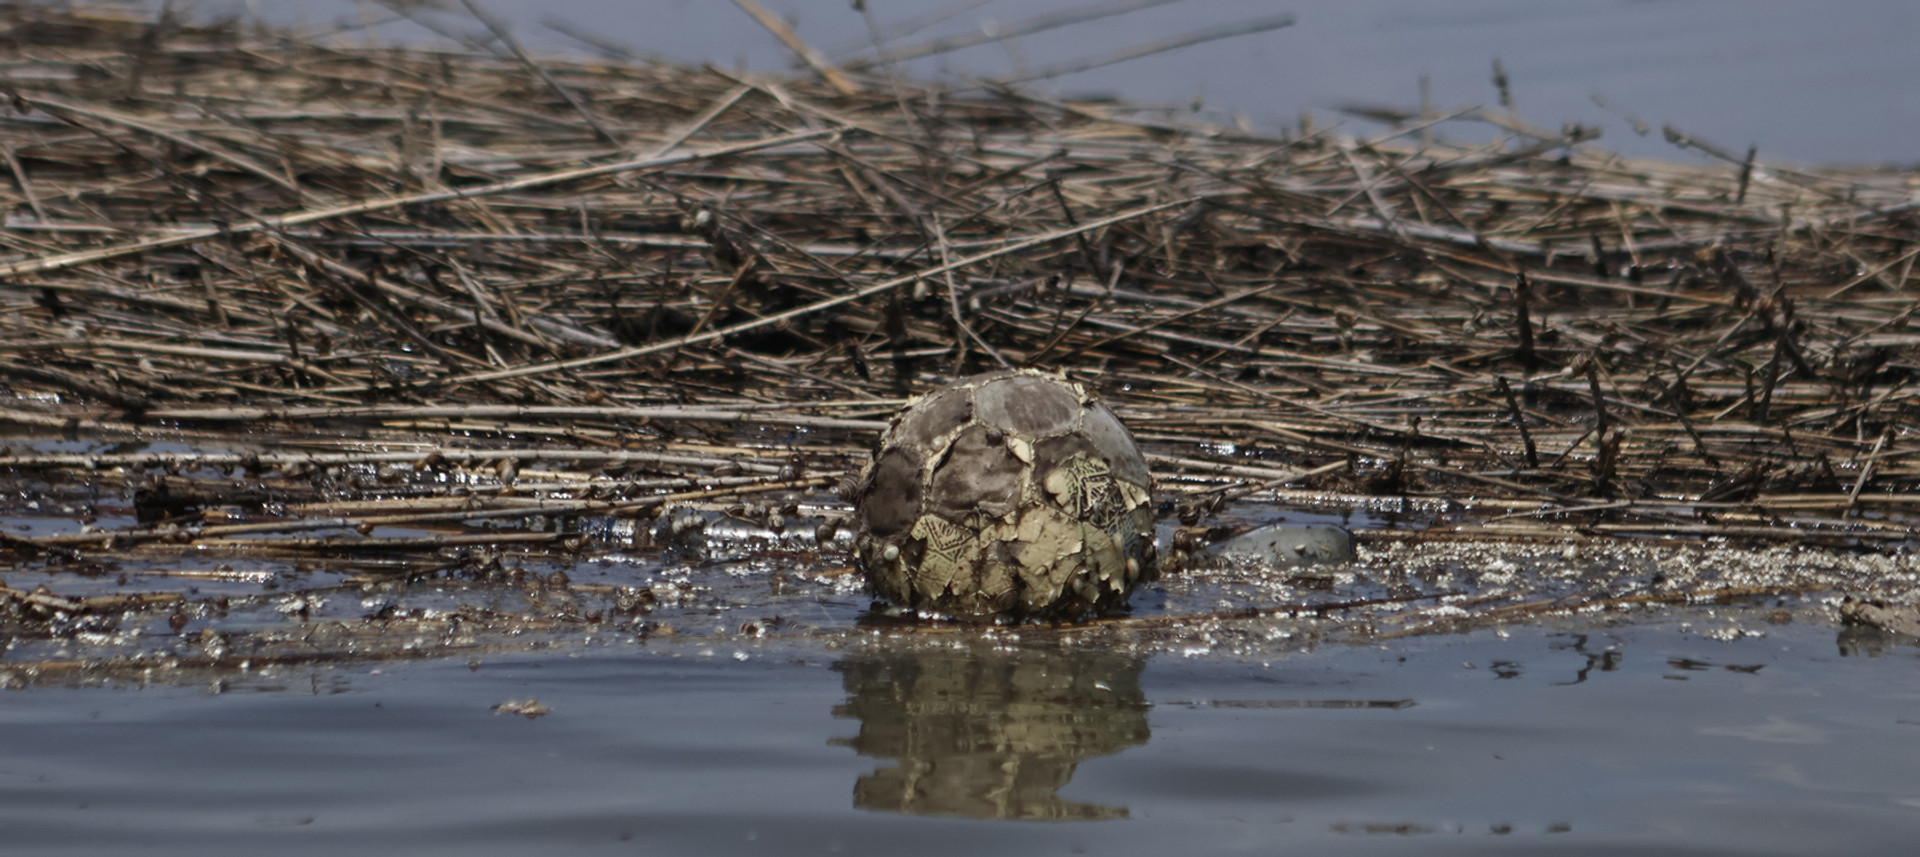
[(467, 291)]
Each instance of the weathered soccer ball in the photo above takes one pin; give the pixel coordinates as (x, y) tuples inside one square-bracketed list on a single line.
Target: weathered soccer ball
[(1013, 494)]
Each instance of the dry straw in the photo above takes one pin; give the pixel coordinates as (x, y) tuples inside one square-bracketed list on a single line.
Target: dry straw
[(600, 273)]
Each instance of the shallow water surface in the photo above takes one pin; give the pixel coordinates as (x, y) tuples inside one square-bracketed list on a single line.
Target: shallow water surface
[(1648, 738)]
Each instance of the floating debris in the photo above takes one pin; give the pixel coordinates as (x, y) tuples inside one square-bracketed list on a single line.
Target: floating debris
[(529, 708)]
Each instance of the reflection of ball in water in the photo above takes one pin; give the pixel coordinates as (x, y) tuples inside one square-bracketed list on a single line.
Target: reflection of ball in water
[(1013, 493)]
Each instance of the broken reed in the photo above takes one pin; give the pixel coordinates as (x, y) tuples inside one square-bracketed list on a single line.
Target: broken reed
[(228, 232)]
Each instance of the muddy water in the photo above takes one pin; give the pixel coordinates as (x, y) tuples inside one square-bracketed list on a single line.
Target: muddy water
[(720, 690), (1644, 739)]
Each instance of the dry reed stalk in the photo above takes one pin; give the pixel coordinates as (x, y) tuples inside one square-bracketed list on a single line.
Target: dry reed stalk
[(316, 261)]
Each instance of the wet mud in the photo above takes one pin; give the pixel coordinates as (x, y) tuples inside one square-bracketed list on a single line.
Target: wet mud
[(140, 572)]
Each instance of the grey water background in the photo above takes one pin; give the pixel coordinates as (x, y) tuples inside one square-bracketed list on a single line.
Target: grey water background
[(1806, 82)]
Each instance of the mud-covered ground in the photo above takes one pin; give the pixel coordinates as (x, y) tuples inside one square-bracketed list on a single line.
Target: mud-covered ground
[(135, 572)]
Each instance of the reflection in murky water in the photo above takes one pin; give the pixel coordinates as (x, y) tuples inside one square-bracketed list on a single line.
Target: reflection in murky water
[(989, 732), (1857, 639), (1680, 743)]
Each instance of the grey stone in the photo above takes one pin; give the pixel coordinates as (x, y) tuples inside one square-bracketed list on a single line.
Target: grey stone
[(1286, 545)]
